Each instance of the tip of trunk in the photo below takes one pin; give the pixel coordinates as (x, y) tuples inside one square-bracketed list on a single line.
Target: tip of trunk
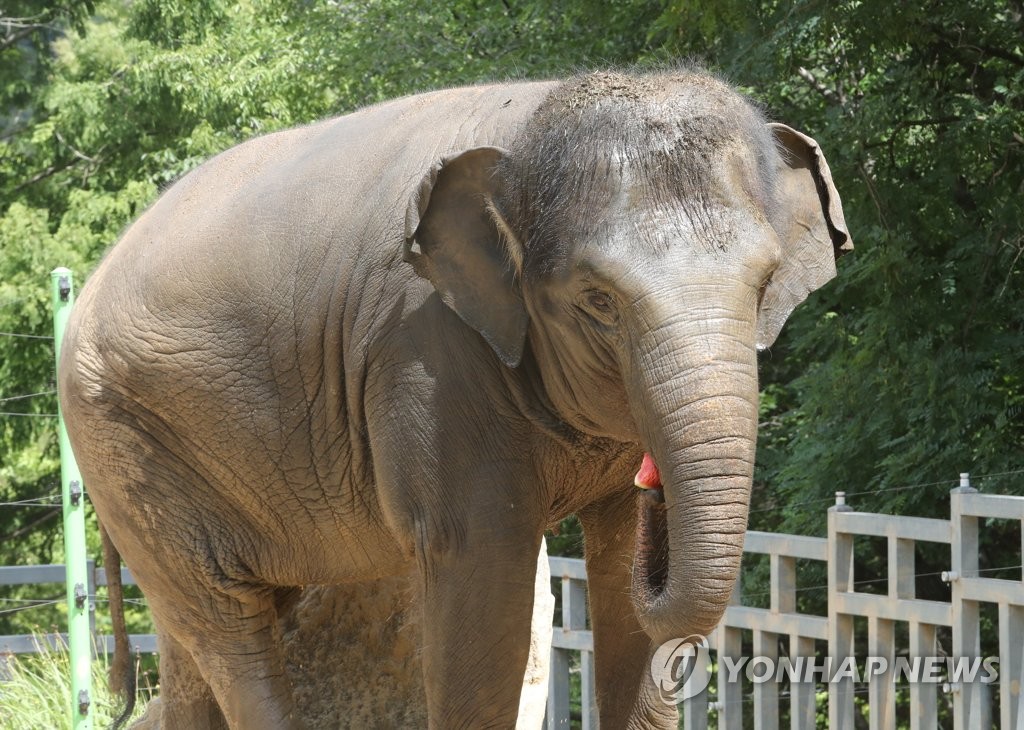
[(669, 605)]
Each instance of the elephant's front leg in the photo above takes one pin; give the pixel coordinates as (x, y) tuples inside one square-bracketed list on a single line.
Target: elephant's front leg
[(477, 604), (626, 694)]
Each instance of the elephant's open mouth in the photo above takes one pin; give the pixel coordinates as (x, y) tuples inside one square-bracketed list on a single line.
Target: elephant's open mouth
[(650, 567)]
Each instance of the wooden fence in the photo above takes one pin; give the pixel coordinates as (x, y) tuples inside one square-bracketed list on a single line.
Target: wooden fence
[(898, 624), (781, 630)]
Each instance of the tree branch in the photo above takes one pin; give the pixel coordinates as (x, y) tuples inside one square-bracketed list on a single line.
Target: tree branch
[(826, 92), (32, 21), (43, 174), (907, 123), (981, 289), (80, 155), (958, 41), (1000, 53), (1013, 264), (26, 529), (13, 38), (874, 196)]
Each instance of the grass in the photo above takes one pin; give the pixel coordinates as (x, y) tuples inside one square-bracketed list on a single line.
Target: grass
[(35, 691)]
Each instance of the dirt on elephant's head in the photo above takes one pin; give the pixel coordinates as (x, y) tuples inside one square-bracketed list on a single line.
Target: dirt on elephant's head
[(586, 89)]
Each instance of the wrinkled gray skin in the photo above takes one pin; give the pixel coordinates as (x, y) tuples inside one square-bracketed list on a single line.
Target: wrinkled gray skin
[(419, 335)]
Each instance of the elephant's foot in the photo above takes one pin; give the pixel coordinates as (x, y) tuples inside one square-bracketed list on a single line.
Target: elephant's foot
[(150, 719)]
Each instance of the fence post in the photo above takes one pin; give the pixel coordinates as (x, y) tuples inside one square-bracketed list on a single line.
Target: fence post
[(73, 496), (970, 701), (840, 626), (730, 694), (90, 570)]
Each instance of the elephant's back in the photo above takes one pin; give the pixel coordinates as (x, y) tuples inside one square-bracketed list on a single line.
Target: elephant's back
[(238, 311), (279, 247), (292, 207)]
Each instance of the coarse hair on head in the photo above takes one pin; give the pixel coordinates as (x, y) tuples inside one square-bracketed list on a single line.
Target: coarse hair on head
[(667, 130)]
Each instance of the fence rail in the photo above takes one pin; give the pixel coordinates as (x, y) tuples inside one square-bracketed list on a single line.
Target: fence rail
[(14, 575)]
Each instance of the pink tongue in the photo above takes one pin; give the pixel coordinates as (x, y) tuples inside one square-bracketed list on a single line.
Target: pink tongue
[(648, 476)]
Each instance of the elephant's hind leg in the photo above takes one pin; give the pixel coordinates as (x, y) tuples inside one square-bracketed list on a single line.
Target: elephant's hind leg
[(184, 544), (186, 700), (235, 645)]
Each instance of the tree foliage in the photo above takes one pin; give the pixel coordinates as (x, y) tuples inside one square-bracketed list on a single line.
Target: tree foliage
[(906, 369), (903, 371)]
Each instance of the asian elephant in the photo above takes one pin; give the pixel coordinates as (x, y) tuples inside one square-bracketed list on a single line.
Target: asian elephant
[(416, 336)]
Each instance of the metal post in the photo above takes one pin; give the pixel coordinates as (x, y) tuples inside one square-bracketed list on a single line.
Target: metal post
[(970, 701), (74, 532), (840, 625)]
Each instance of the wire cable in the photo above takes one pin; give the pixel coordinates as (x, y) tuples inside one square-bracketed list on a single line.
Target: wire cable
[(27, 337), (862, 493), (25, 608), (54, 501), (27, 395)]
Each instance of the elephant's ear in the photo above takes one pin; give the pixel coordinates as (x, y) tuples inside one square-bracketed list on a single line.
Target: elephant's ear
[(452, 238), (810, 225)]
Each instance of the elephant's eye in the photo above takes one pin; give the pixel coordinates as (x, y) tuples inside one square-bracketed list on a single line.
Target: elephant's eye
[(762, 289), (599, 301), (599, 305)]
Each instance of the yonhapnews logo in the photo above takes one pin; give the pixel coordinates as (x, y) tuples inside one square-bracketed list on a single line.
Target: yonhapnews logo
[(674, 669)]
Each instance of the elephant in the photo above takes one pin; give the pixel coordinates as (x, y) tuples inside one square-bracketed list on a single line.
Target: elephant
[(411, 339)]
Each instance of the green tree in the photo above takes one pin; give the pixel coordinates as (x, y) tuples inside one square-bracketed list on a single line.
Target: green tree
[(906, 369)]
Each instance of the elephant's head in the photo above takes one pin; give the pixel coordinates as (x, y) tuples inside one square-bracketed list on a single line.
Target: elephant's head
[(645, 237)]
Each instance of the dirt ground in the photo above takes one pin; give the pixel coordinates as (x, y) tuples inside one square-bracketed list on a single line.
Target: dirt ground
[(352, 656)]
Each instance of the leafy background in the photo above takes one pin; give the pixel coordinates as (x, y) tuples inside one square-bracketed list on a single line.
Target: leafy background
[(900, 374)]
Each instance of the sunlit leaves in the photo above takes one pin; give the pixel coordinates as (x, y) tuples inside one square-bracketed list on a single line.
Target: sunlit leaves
[(906, 368)]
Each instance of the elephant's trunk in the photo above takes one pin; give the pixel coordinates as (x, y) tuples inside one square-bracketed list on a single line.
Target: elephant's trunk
[(696, 402)]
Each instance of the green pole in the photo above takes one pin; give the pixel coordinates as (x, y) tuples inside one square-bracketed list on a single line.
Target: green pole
[(79, 638)]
